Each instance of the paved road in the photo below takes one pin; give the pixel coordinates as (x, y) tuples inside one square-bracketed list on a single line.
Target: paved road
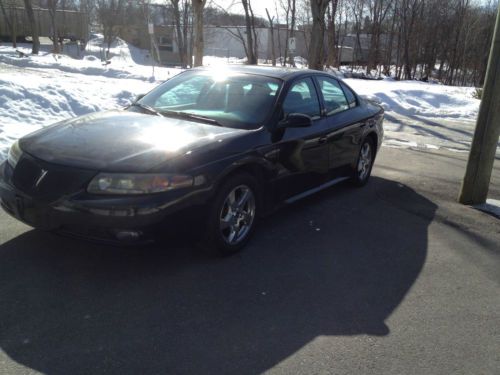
[(418, 132), (394, 278)]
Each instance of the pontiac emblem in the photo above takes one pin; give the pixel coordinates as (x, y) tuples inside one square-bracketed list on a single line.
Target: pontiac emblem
[(40, 177)]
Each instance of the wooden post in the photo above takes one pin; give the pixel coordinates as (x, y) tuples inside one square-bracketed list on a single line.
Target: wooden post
[(477, 177)]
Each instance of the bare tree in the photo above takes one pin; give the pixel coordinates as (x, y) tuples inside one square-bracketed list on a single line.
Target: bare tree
[(410, 11), (52, 6), (357, 9), (89, 8), (198, 42), (378, 12), (424, 39), (332, 42), (180, 23), (34, 27), (251, 36), (10, 22), (289, 7), (316, 50), (271, 30), (109, 13), (233, 25), (293, 19)]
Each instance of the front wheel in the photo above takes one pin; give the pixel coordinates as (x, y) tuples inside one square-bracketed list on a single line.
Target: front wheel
[(364, 163), (232, 216)]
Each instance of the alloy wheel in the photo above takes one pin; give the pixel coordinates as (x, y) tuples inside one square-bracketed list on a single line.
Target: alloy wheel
[(237, 214), (365, 161)]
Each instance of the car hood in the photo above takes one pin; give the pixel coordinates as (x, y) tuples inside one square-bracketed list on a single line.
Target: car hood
[(121, 141)]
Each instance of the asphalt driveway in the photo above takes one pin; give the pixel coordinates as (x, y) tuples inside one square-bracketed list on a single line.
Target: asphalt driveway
[(394, 278)]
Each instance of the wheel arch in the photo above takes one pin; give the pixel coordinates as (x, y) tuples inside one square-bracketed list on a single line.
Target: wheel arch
[(374, 138), (255, 168)]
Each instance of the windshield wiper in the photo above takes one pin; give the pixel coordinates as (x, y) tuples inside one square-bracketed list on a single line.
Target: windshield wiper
[(147, 108), (192, 116)]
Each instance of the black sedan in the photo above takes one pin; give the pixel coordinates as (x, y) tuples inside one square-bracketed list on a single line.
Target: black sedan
[(223, 146)]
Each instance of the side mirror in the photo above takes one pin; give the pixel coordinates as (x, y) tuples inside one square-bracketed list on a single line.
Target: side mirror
[(296, 120)]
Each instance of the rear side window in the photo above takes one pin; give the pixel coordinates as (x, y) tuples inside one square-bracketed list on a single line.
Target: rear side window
[(333, 95), (351, 98)]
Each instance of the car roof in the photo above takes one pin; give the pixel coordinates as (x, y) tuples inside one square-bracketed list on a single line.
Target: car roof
[(280, 72)]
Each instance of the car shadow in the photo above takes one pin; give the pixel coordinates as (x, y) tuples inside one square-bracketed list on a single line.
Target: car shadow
[(337, 263)]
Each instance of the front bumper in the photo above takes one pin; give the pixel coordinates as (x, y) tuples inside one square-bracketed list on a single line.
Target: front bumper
[(102, 218)]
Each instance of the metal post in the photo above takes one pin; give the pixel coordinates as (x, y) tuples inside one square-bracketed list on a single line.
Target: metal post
[(151, 45), (477, 177)]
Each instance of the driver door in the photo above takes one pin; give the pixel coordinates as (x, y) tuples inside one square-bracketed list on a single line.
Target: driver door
[(303, 152)]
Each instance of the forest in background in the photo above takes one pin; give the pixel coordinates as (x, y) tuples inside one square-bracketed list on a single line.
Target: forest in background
[(445, 40)]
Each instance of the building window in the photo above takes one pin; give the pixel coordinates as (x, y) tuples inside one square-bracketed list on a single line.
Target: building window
[(165, 44)]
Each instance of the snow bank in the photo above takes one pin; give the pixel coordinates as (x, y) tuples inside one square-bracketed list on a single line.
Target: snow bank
[(31, 99), (36, 91), (420, 99), (125, 61)]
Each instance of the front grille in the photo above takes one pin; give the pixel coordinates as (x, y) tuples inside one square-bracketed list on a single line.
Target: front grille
[(47, 181)]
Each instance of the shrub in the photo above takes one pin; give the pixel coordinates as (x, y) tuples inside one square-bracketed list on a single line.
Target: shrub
[(478, 93)]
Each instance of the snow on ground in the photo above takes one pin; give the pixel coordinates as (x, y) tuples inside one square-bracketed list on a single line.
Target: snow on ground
[(423, 115), (36, 91), (424, 100)]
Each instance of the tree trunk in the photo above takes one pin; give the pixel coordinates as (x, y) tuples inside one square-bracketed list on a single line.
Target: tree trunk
[(254, 31), (34, 27), (388, 57), (293, 17), (251, 58), (185, 30), (332, 44), (318, 9), (7, 20), (52, 5), (271, 29), (198, 42), (178, 32), (14, 29)]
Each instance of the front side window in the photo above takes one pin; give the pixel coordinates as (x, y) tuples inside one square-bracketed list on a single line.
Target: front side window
[(233, 100), (333, 96), (302, 98)]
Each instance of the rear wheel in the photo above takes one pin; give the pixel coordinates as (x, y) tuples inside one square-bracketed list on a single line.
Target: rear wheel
[(364, 163), (232, 216)]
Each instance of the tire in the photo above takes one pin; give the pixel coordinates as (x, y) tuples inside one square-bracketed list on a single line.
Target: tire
[(232, 216), (364, 163)]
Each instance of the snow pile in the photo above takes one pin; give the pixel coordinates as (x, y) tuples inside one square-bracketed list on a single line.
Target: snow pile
[(29, 101), (419, 99), (423, 115), (36, 91), (125, 61)]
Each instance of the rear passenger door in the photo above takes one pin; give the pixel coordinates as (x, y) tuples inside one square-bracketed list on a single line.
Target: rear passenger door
[(344, 132)]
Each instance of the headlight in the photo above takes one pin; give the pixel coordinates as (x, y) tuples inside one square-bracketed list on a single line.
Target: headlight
[(14, 155), (127, 183)]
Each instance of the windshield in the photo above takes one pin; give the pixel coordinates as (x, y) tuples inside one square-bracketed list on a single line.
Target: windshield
[(240, 101)]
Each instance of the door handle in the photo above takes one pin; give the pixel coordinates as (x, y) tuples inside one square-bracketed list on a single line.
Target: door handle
[(323, 140)]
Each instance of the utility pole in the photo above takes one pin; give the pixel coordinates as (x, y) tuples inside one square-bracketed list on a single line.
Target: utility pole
[(477, 177)]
